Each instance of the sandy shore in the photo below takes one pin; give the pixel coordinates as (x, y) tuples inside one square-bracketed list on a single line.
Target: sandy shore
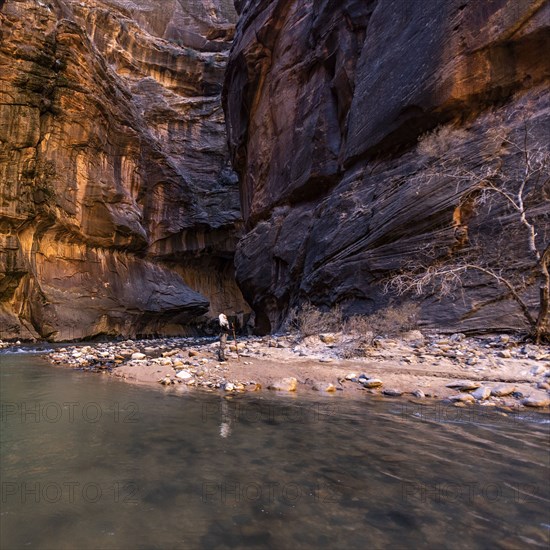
[(488, 371)]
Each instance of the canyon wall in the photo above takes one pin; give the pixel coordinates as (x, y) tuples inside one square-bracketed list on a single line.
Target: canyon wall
[(119, 211), (325, 104)]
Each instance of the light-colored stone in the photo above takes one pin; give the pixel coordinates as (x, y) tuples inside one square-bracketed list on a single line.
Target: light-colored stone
[(536, 401), (392, 392), (372, 383), (327, 338), (502, 390), (138, 356), (481, 393), (464, 385), (286, 384), (412, 336), (463, 398), (184, 375)]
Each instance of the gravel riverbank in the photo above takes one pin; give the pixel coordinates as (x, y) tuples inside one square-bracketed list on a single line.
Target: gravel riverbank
[(497, 371)]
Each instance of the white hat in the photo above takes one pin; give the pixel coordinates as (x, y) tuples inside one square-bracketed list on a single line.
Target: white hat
[(223, 321)]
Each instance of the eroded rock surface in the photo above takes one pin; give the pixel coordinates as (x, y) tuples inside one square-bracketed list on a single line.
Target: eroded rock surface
[(116, 195), (325, 102)]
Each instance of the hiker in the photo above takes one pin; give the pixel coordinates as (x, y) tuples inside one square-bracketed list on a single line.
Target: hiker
[(224, 331)]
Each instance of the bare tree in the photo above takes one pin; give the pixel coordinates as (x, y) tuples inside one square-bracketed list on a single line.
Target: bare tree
[(521, 190)]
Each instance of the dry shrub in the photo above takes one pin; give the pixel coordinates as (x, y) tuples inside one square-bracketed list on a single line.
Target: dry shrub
[(361, 330), (310, 320), (442, 140)]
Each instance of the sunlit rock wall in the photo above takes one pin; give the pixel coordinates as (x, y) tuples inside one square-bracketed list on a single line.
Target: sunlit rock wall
[(114, 173)]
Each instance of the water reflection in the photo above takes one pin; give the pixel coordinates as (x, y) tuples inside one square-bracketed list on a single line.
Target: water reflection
[(90, 462)]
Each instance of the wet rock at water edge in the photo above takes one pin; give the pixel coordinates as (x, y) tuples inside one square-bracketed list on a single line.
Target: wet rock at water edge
[(419, 393), (536, 401), (503, 390), (286, 384), (371, 383), (462, 398), (321, 386), (464, 385), (392, 392), (481, 394)]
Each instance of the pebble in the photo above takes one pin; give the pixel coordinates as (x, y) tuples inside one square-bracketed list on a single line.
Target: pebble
[(351, 376), (328, 338), (481, 393), (537, 402), (464, 385), (392, 393), (413, 336), (419, 393), (462, 398), (184, 375), (138, 356), (286, 384), (371, 382), (502, 390)]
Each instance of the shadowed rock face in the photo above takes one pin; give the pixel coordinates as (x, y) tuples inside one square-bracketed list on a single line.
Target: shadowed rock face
[(325, 102), (116, 196)]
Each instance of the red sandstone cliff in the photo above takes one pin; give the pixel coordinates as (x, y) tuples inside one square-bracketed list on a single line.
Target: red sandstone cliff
[(119, 212)]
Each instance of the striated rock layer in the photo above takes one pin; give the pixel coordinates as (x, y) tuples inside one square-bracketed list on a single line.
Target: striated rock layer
[(116, 196), (325, 102)]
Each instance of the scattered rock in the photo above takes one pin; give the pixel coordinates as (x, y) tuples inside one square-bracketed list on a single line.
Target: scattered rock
[(502, 390), (464, 385), (327, 338), (463, 398), (505, 353), (539, 369), (392, 392), (536, 401), (371, 383), (138, 356), (286, 384), (481, 393), (184, 375), (351, 376), (412, 336), (419, 393)]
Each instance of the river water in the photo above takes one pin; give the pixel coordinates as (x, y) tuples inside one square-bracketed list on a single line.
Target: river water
[(90, 462)]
